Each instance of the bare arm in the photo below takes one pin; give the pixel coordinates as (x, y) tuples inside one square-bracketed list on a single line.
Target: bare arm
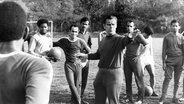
[(86, 46), (32, 47)]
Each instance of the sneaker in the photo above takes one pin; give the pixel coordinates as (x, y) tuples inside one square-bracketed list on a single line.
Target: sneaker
[(129, 100), (160, 102), (84, 102), (154, 94), (181, 99), (138, 102)]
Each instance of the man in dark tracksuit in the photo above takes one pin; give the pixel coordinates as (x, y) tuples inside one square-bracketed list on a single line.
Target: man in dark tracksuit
[(86, 36), (132, 63), (108, 80), (71, 46), (172, 57)]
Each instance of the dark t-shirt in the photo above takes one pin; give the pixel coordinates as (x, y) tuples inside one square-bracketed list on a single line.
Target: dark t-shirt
[(133, 49), (71, 48), (110, 51)]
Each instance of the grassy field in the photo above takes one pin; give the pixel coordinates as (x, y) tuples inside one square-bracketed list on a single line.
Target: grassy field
[(60, 93)]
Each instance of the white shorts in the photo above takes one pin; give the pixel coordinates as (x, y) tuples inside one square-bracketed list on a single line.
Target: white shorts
[(147, 60)]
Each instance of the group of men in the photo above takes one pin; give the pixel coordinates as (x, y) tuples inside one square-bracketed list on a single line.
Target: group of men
[(111, 45), (26, 78)]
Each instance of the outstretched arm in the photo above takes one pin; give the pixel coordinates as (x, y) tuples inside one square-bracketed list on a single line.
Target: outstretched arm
[(92, 56)]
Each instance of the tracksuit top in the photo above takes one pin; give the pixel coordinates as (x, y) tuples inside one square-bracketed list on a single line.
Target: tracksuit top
[(71, 48), (24, 79), (110, 50), (173, 45)]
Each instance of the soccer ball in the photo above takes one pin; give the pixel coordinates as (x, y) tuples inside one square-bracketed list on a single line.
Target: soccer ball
[(55, 54), (148, 90)]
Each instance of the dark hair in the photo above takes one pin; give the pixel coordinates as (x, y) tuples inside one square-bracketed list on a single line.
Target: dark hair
[(174, 21), (109, 17), (148, 30), (84, 19), (42, 21), (73, 25), (12, 21), (129, 21)]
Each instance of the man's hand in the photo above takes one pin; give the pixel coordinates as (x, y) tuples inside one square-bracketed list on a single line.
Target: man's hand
[(81, 55), (134, 34), (137, 58), (51, 58)]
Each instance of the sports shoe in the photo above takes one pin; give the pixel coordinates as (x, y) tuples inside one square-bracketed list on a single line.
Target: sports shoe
[(84, 102), (138, 102), (154, 94), (128, 100), (181, 100), (160, 102)]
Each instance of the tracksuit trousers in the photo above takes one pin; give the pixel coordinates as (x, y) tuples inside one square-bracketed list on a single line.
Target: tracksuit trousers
[(73, 73), (134, 66), (173, 64), (108, 84), (85, 71)]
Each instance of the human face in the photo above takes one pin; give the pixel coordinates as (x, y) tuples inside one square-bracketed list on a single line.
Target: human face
[(74, 32), (175, 27), (146, 36), (43, 28), (130, 27), (110, 26), (84, 25)]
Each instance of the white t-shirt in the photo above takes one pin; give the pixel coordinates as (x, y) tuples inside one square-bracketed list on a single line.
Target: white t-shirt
[(147, 57), (40, 43)]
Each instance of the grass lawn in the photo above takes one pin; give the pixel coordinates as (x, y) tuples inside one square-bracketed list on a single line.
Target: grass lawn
[(60, 93)]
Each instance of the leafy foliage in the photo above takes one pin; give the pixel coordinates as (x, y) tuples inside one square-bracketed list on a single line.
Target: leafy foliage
[(157, 13)]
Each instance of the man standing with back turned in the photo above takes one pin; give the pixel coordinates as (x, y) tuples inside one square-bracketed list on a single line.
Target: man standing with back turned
[(24, 78)]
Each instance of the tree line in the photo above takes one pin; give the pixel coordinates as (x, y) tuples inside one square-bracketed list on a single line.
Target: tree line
[(156, 13)]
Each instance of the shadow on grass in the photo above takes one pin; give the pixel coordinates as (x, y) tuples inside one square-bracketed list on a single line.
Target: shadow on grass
[(63, 97), (59, 97)]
